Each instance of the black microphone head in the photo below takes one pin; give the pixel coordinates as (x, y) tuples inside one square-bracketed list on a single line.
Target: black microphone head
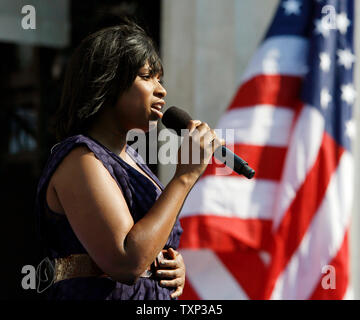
[(248, 172), (176, 119)]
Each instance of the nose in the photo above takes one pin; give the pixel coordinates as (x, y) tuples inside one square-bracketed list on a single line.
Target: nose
[(160, 91)]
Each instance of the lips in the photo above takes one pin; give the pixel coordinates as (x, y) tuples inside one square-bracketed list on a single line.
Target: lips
[(156, 108)]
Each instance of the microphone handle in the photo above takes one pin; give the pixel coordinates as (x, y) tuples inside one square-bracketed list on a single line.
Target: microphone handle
[(240, 166)]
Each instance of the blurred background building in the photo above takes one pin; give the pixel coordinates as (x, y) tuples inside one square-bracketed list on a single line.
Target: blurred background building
[(205, 46)]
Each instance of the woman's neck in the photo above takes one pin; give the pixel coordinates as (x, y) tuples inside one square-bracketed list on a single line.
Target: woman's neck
[(114, 141)]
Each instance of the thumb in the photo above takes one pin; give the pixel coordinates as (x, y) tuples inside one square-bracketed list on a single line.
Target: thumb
[(172, 253)]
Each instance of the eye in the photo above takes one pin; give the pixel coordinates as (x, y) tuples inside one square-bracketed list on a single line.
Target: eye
[(145, 76)]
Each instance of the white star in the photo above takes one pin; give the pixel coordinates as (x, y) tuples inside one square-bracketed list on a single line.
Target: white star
[(342, 22), (325, 61), (292, 7), (325, 98), (350, 129), (321, 27), (348, 93), (346, 58)]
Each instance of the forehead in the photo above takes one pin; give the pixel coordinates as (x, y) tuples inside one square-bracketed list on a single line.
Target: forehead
[(153, 71), (154, 66), (146, 67)]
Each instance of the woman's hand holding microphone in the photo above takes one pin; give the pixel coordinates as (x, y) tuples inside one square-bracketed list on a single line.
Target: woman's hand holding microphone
[(196, 150)]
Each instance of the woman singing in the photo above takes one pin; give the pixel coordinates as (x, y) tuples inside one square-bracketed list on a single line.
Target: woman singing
[(105, 218)]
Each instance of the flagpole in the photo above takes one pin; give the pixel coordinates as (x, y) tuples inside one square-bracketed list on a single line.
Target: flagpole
[(355, 225)]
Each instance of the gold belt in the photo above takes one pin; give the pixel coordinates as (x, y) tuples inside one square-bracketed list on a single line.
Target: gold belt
[(81, 265)]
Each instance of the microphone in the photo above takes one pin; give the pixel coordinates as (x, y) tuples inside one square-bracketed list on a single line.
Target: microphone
[(177, 119)]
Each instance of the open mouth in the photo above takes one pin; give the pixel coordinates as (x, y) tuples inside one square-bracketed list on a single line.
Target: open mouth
[(156, 108)]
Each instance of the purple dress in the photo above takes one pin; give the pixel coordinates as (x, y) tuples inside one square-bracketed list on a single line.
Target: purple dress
[(60, 241)]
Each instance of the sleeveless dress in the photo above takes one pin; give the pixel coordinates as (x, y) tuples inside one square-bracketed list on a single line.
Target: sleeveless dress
[(59, 240)]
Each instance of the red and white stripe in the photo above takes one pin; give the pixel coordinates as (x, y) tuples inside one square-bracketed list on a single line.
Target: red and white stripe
[(271, 236)]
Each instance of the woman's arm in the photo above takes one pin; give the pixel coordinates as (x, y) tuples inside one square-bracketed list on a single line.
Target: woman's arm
[(99, 216)]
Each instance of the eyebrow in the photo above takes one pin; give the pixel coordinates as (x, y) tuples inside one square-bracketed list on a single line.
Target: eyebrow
[(152, 70), (144, 70), (146, 67)]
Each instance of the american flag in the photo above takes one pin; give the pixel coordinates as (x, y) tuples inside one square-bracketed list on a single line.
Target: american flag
[(283, 234)]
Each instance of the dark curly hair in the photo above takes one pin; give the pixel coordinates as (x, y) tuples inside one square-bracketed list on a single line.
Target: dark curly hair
[(103, 66)]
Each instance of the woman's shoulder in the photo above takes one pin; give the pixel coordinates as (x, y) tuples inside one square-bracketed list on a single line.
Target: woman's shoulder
[(76, 141), (80, 167), (74, 151), (76, 146), (78, 151)]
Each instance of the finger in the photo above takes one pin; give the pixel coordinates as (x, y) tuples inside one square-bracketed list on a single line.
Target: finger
[(171, 283), (160, 257), (215, 145), (177, 293), (209, 138), (192, 125), (202, 129), (217, 140), (168, 274), (218, 143), (168, 263), (178, 258), (173, 253)]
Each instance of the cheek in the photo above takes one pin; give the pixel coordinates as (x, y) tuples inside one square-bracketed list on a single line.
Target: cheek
[(138, 97), (133, 107), (130, 112)]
